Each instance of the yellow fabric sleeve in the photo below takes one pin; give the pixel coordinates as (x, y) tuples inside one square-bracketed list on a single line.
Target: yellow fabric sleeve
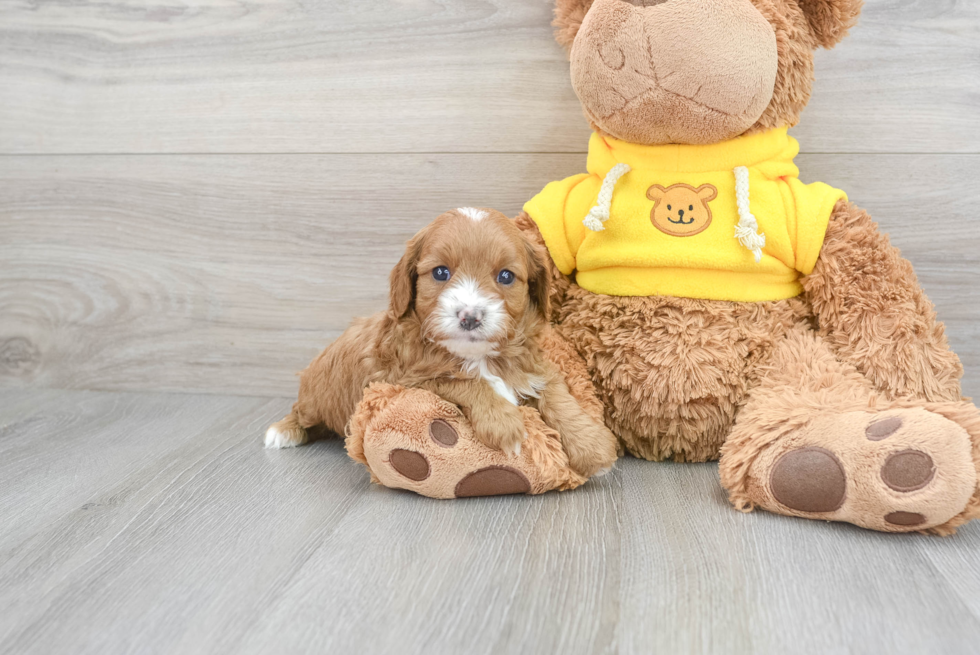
[(548, 210), (814, 203)]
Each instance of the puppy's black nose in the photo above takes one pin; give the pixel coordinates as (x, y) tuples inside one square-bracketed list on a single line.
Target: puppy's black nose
[(470, 317)]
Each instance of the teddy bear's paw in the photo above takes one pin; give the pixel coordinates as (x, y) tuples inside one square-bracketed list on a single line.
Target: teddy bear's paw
[(494, 480), (422, 443), (896, 471)]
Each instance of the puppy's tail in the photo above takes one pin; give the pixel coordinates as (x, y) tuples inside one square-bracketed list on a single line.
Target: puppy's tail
[(287, 433)]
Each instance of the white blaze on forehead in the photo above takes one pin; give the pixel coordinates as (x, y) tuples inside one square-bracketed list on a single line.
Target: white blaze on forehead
[(473, 213)]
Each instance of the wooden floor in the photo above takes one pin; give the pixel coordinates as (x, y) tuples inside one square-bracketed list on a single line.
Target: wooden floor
[(197, 195), (153, 523)]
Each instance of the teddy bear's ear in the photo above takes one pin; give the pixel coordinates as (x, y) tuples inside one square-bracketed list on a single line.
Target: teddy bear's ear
[(830, 19), (568, 18)]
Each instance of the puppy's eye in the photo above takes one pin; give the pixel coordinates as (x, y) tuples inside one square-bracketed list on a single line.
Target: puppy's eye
[(441, 273), (505, 277)]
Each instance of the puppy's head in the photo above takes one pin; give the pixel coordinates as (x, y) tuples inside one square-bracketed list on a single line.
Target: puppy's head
[(473, 281)]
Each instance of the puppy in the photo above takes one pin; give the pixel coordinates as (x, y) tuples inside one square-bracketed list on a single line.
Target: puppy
[(468, 304)]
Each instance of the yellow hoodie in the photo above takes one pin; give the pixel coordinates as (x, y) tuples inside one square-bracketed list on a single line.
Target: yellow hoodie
[(728, 221)]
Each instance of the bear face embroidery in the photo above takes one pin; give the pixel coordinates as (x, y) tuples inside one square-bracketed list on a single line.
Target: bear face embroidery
[(680, 210)]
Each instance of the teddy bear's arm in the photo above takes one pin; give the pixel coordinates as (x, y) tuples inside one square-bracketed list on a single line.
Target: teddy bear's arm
[(874, 314)]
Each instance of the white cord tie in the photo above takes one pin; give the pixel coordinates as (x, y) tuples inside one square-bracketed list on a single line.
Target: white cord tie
[(600, 213), (747, 230)]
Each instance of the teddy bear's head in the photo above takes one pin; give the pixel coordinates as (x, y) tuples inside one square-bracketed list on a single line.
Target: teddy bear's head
[(696, 71)]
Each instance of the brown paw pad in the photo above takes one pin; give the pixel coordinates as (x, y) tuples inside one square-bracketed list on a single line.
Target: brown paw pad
[(908, 470), (443, 433), (809, 480), (409, 463), (493, 481), (905, 518), (884, 428)]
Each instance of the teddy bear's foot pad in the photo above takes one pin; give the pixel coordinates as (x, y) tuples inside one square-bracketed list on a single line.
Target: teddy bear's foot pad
[(409, 463), (493, 481), (809, 480), (412, 439), (900, 470)]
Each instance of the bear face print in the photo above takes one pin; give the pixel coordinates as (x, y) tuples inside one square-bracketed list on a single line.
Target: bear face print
[(680, 210)]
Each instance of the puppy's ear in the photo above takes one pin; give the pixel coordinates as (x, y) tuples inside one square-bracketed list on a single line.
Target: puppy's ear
[(403, 278), (538, 279), (830, 19), (568, 20)]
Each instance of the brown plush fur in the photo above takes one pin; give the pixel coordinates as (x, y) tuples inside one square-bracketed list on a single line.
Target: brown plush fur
[(691, 380), (871, 310), (830, 20), (568, 20), (671, 372), (805, 381), (675, 373), (407, 345), (794, 76)]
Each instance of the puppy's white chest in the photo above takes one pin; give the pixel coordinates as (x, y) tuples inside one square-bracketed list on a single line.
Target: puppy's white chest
[(530, 388), (503, 389)]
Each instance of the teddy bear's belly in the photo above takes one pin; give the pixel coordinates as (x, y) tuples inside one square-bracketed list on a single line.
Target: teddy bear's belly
[(672, 372)]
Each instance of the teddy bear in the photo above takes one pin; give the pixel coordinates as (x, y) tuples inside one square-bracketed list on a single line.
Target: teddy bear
[(715, 306)]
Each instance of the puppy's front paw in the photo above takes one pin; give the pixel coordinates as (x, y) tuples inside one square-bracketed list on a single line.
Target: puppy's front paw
[(513, 448), (594, 452), (501, 430)]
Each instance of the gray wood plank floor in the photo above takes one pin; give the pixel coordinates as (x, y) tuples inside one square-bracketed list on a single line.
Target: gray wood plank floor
[(153, 523)]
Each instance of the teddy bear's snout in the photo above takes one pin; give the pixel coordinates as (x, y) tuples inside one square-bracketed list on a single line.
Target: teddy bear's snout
[(662, 71)]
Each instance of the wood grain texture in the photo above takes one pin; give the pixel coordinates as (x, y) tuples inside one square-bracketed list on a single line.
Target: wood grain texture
[(154, 523), (226, 274), (269, 76)]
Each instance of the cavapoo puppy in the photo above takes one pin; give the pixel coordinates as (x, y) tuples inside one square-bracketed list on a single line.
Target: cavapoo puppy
[(468, 307)]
